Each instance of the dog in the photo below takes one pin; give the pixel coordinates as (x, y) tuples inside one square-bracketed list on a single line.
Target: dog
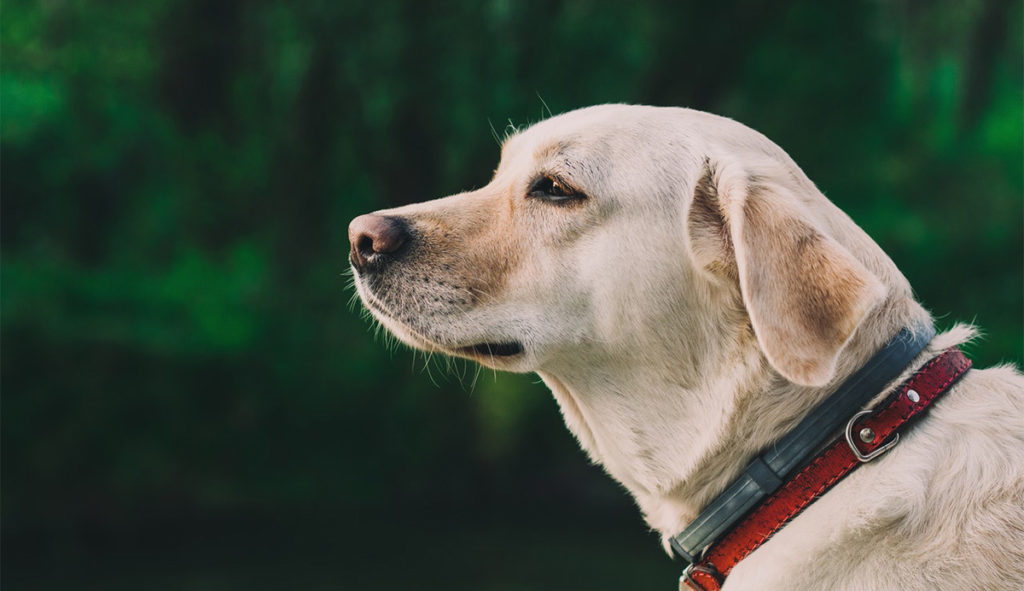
[(688, 294)]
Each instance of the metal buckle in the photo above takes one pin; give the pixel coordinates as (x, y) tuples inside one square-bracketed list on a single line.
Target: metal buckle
[(687, 582), (864, 458)]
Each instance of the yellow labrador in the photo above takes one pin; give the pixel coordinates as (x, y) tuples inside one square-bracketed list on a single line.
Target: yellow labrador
[(688, 294)]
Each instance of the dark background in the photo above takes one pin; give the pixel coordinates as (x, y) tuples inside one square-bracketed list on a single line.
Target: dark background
[(189, 400)]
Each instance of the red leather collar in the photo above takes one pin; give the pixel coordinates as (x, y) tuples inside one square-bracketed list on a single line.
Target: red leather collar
[(868, 435)]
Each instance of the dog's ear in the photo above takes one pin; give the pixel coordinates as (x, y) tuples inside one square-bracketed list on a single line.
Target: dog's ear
[(804, 293)]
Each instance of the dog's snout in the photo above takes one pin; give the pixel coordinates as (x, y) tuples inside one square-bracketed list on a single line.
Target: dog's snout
[(374, 237)]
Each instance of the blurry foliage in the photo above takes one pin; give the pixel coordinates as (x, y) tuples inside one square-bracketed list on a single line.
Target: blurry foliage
[(178, 176)]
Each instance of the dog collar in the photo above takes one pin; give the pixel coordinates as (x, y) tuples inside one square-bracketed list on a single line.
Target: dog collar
[(717, 540)]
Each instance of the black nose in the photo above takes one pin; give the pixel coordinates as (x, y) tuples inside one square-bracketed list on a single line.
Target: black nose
[(375, 238)]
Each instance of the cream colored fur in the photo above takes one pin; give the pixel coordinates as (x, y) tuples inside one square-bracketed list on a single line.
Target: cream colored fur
[(687, 313)]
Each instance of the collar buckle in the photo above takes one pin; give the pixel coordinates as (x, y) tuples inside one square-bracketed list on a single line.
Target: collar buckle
[(867, 457), (688, 583)]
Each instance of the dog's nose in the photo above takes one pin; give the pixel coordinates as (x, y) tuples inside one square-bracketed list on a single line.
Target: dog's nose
[(375, 237)]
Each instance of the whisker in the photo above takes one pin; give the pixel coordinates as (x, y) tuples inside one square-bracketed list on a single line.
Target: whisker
[(494, 132), (544, 104)]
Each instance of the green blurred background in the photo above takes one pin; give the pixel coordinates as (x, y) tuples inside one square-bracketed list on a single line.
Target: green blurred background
[(189, 401)]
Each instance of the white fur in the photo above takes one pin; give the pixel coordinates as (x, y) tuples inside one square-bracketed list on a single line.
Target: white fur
[(641, 322)]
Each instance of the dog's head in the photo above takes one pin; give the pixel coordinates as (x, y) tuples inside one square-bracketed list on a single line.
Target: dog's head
[(618, 233)]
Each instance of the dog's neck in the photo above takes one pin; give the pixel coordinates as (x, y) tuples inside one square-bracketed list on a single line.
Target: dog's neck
[(676, 435)]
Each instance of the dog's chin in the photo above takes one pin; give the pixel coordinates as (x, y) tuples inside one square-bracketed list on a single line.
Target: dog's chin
[(509, 355), (502, 354)]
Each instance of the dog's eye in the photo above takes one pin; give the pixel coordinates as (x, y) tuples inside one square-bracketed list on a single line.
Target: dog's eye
[(554, 190)]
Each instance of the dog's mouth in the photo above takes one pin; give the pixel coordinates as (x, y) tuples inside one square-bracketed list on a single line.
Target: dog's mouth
[(509, 349), (417, 338)]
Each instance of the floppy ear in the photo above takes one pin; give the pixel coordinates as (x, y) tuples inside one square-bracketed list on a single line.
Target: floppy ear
[(804, 292)]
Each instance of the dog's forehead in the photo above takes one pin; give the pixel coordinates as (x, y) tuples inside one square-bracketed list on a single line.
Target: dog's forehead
[(581, 133)]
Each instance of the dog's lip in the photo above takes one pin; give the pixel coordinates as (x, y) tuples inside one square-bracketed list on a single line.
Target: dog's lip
[(486, 350), (502, 349)]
